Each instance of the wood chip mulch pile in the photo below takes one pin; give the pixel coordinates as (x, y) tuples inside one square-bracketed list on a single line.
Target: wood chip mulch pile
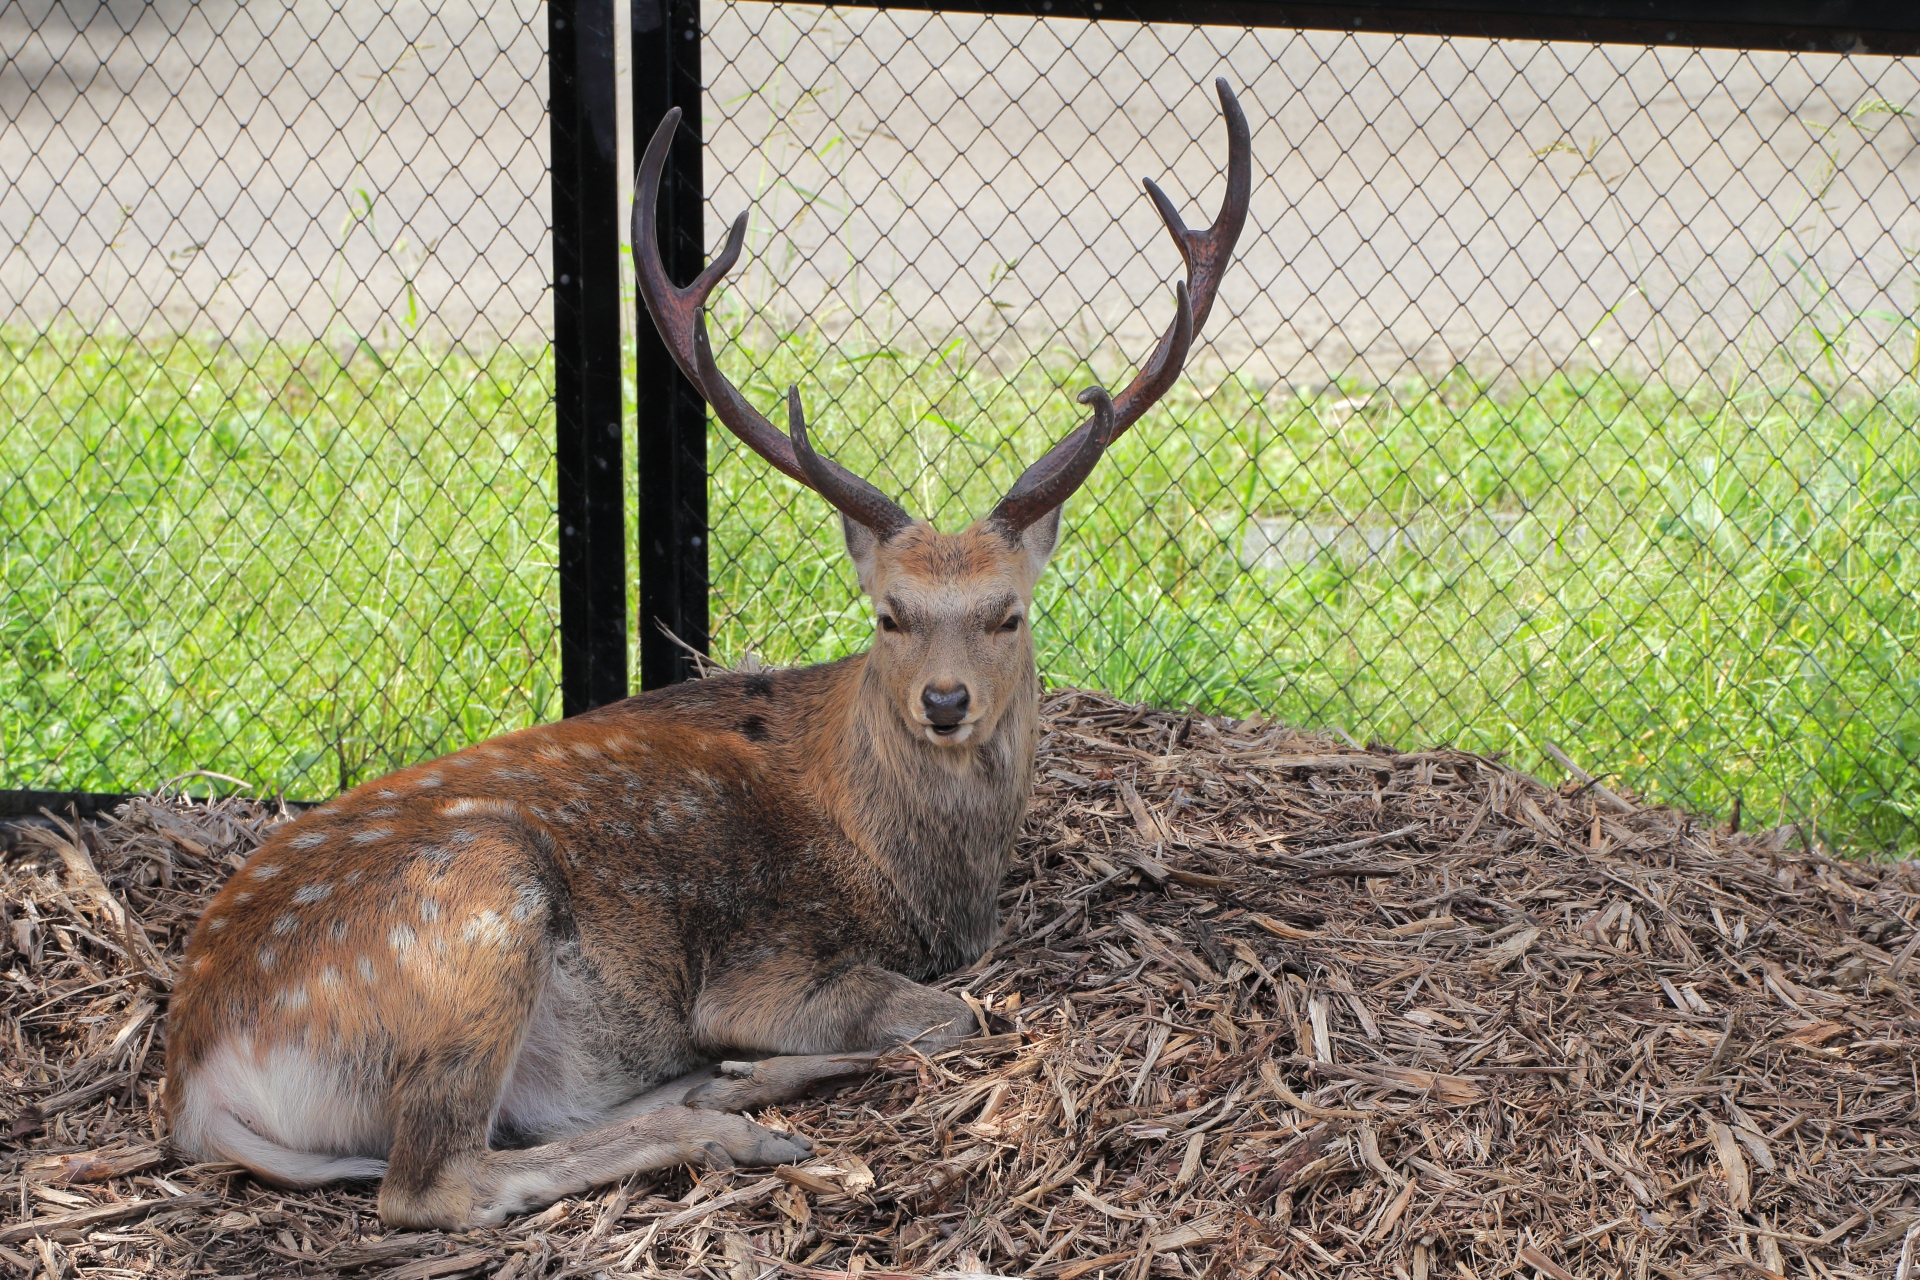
[(1266, 1003)]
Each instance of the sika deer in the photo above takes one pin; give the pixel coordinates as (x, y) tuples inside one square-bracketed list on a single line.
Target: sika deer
[(505, 976)]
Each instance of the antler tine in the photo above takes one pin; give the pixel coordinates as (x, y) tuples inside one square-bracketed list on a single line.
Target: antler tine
[(1206, 254), (677, 312), (857, 499), (1042, 488)]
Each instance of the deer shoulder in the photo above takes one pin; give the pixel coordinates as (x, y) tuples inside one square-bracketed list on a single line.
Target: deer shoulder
[(574, 952)]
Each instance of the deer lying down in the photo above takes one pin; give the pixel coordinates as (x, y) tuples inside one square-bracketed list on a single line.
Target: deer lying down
[(508, 975)]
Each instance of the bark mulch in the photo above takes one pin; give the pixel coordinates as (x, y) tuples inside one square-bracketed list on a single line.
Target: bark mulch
[(1266, 1003)]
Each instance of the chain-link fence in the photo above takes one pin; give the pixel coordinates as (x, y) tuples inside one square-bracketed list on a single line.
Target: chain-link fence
[(277, 465), (1559, 393)]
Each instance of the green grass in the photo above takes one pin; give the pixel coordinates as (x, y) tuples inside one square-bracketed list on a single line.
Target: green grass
[(303, 568), (1715, 592)]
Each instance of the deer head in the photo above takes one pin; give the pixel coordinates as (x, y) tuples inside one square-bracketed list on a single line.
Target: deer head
[(952, 647)]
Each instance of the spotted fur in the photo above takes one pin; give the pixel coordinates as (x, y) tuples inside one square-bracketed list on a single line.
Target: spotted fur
[(473, 976)]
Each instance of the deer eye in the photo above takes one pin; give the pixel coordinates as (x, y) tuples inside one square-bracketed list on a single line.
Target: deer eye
[(1011, 624), (887, 623)]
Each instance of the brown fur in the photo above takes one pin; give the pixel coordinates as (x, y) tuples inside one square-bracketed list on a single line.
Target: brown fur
[(518, 942), (503, 977)]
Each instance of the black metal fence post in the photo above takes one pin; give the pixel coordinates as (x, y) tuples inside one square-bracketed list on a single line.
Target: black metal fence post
[(584, 126), (671, 434)]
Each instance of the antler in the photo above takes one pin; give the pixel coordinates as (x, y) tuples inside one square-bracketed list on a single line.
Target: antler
[(1040, 491), (1052, 480), (857, 499), (1043, 486), (677, 314)]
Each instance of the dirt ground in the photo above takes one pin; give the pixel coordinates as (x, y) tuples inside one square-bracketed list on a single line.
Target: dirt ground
[(1265, 1003)]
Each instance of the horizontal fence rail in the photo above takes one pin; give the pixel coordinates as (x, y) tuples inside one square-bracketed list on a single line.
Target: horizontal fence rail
[(1561, 392)]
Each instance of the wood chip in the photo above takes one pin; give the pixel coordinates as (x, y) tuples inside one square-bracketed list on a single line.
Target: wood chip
[(1503, 954), (104, 1215), (1194, 917)]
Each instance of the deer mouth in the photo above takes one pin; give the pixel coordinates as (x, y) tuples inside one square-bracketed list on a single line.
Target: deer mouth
[(947, 735)]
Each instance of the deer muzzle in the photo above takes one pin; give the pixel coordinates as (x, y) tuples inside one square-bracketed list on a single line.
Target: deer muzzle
[(944, 710)]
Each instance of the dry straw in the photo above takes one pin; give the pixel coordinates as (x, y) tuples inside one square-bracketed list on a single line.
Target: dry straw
[(1264, 1004)]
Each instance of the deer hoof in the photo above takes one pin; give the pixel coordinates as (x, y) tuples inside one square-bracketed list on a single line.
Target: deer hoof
[(742, 1142), (737, 1070)]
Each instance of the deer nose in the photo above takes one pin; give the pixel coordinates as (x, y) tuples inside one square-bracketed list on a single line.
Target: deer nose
[(945, 708)]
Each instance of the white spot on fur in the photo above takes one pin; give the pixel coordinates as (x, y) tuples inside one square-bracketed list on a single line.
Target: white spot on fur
[(586, 750), (364, 967), (284, 924), (266, 958), (218, 922), (329, 976), (338, 931), (429, 910), (460, 835), (384, 794), (312, 892), (529, 900), (293, 999), (264, 870), (430, 780), (367, 835), (351, 878), (486, 927), (384, 811), (498, 808), (243, 897), (309, 840), (402, 940)]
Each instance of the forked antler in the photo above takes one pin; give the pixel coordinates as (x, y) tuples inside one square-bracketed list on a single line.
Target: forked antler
[(1044, 485)]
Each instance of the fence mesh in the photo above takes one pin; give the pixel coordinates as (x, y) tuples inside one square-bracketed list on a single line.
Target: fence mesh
[(276, 472), (1561, 393)]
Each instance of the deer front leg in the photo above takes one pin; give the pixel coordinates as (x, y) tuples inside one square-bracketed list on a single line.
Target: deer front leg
[(795, 1005), (749, 1085), (801, 1026)]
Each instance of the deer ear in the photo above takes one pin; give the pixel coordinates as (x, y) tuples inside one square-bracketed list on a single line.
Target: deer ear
[(1039, 538), (863, 546)]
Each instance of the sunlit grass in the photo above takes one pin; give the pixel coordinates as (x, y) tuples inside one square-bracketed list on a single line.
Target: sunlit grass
[(303, 567), (1710, 592)]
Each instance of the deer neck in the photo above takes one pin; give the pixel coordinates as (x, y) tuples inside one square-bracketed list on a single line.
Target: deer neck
[(937, 822)]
